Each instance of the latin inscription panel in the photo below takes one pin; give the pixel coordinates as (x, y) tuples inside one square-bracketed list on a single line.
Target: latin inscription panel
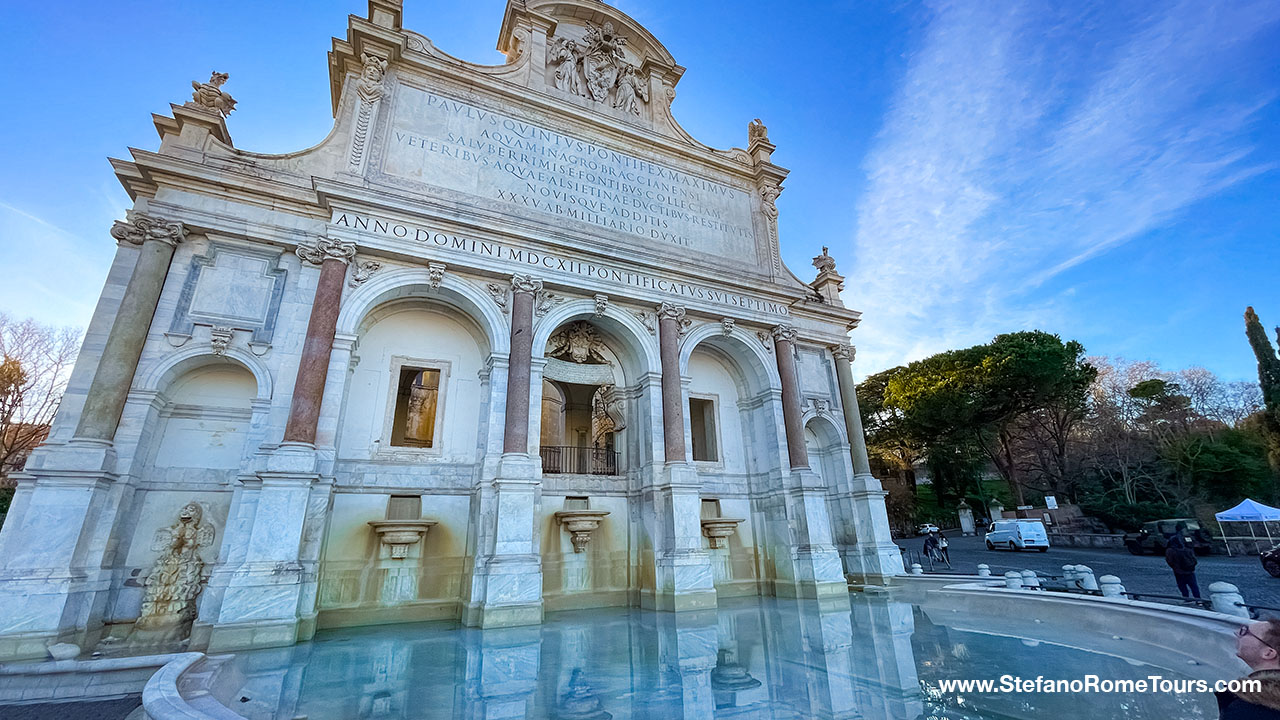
[(452, 144)]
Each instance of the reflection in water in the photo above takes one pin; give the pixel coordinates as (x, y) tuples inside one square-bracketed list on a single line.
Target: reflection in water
[(868, 657)]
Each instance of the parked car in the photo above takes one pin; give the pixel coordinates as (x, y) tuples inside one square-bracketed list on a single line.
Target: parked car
[(1017, 535), (1271, 561), (1154, 536), (927, 528)]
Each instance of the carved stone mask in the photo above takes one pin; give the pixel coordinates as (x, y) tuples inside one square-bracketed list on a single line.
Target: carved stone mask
[(191, 514)]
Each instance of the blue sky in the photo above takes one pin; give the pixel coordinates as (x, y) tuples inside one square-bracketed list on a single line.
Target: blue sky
[(1106, 171)]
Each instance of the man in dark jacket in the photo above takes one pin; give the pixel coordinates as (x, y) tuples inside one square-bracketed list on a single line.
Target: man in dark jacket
[(1256, 645), (1183, 561)]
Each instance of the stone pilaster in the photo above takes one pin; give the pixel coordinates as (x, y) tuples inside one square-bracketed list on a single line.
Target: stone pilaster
[(269, 600), (53, 586), (875, 556), (683, 579), (811, 564), (507, 580)]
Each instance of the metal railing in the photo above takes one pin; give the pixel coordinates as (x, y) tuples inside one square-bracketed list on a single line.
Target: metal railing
[(578, 460)]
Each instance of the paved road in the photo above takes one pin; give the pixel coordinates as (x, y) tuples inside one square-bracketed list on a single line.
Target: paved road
[(1138, 573)]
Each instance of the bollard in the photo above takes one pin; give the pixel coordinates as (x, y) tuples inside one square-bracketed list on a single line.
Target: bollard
[(984, 570), (916, 569), (1110, 586), (1084, 574), (1030, 579), (1013, 580), (1068, 573), (1227, 600)]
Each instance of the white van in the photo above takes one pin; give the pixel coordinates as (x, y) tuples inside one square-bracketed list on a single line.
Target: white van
[(1017, 535)]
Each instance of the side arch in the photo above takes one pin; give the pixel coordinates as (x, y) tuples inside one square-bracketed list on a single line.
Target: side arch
[(162, 374), (639, 348), (453, 291), (741, 347)]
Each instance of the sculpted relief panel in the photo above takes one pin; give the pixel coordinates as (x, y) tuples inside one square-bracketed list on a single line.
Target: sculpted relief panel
[(534, 170)]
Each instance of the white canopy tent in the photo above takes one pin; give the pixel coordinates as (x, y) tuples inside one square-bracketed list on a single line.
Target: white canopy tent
[(1248, 511)]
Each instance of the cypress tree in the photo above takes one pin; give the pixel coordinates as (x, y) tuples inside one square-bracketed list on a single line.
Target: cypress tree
[(1268, 378)]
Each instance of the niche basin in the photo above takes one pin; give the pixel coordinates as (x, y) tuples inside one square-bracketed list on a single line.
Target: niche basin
[(580, 523), (400, 535), (719, 529)]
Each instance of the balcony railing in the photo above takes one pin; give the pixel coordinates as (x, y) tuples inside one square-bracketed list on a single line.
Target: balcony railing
[(574, 460)]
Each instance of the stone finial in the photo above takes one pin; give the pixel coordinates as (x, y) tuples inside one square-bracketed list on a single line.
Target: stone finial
[(326, 249), (211, 96), (1030, 579), (1226, 599), (984, 570), (757, 132), (1110, 586), (824, 262), (141, 227)]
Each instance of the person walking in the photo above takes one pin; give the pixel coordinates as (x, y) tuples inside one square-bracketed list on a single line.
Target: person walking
[(1182, 560), (942, 549), (1256, 645), (931, 547)]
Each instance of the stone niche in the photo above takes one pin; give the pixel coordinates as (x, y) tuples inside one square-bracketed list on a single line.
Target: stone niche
[(585, 557)]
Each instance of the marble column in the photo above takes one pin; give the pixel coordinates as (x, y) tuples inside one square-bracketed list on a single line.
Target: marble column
[(265, 602), (875, 555), (157, 239), (802, 535), (53, 584), (308, 389), (784, 337), (683, 579), (507, 581)]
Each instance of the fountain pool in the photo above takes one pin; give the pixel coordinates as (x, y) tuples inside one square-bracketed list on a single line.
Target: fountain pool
[(876, 657)]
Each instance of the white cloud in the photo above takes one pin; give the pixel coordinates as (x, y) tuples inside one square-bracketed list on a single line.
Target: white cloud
[(1020, 144)]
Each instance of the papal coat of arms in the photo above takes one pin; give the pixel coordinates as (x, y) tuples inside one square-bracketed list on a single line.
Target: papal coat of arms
[(596, 67)]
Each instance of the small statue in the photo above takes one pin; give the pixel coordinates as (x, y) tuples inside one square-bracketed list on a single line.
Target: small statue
[(629, 88), (757, 132), (175, 581), (824, 262), (371, 74), (211, 96), (566, 54)]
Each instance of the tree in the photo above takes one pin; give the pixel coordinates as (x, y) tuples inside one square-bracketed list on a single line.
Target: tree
[(35, 361), (1268, 380)]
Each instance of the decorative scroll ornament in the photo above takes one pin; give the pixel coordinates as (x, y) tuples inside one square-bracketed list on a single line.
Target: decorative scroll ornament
[(544, 300), (757, 132), (500, 294), (824, 262), (175, 580), (326, 249), (765, 340), (578, 342), (211, 96), (141, 228), (648, 320), (362, 270), (220, 339), (602, 304), (435, 274), (727, 325), (784, 333), (370, 91), (842, 352)]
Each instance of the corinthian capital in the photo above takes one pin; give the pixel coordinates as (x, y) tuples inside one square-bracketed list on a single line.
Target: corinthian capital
[(140, 228), (667, 311), (784, 333), (326, 249), (843, 352)]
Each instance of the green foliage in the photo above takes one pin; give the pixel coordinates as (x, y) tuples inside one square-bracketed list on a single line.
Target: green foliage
[(6, 497), (1124, 516), (1269, 379), (1222, 468)]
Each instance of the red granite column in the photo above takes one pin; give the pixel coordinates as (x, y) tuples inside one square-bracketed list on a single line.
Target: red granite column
[(114, 375), (332, 256), (784, 337), (670, 322), (515, 434)]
